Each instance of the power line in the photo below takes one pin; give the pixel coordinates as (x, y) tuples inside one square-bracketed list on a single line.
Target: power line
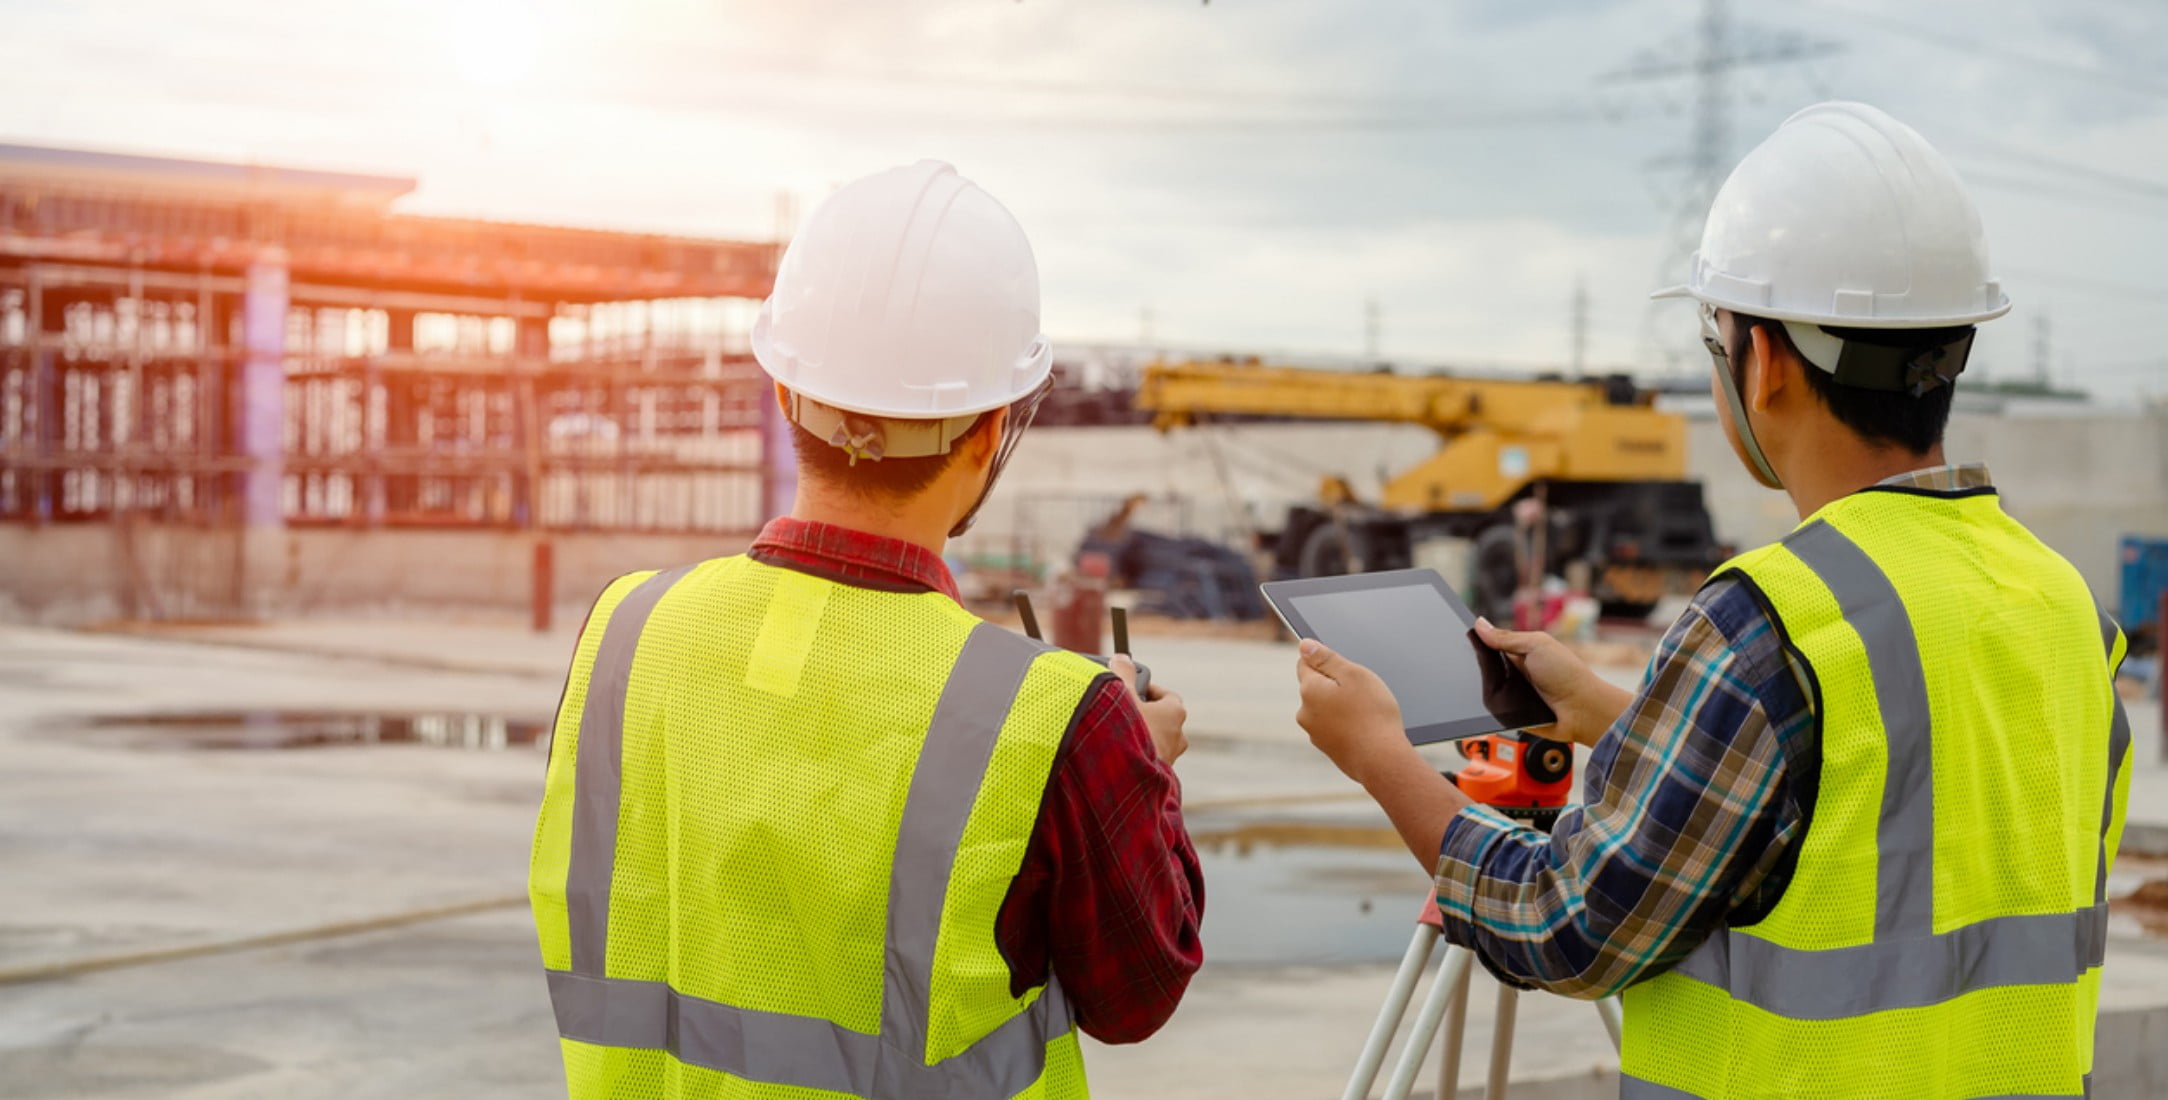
[(2110, 287), (2113, 78), (2020, 185), (1326, 124), (2135, 185)]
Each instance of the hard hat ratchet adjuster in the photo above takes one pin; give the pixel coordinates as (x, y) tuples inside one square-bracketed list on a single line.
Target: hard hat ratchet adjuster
[(871, 439), (1896, 361), (859, 439), (1923, 373)]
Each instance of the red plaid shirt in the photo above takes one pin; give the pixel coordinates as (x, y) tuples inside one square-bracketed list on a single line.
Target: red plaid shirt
[(1110, 894)]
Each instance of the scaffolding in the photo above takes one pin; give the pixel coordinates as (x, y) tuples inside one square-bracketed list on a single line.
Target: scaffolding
[(219, 347)]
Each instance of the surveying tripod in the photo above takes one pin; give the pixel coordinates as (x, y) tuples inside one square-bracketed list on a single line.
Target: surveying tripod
[(1527, 778)]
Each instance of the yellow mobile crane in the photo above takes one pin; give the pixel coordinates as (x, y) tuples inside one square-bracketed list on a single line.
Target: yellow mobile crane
[(1608, 469)]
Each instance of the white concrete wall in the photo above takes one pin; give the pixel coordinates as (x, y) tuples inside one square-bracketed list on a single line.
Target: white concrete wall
[(2080, 479)]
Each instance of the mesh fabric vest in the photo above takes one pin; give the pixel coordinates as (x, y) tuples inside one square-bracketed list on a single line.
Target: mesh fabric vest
[(780, 818), (1943, 932)]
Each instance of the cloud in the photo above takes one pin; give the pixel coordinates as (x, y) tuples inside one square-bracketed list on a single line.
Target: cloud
[(1252, 172)]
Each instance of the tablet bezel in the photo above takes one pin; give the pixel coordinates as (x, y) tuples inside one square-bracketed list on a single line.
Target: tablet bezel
[(1279, 595)]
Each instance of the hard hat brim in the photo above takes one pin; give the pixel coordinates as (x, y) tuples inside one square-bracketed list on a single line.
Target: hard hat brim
[(1030, 372), (1833, 320)]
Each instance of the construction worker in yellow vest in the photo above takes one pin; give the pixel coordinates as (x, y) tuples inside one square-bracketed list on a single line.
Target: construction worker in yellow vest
[(813, 829), (1850, 837)]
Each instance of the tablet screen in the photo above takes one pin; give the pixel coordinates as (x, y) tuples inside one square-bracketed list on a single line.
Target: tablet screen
[(1408, 631)]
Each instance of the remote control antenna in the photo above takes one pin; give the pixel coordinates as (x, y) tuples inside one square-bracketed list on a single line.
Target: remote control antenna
[(1121, 630), (1023, 608)]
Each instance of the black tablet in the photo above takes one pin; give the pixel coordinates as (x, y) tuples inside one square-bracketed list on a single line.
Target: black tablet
[(1411, 629)]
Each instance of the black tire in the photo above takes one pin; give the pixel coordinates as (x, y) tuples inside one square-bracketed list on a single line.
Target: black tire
[(1330, 550), (1497, 573)]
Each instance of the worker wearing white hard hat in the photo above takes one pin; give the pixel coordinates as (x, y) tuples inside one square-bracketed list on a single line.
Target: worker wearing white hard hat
[(1849, 836), (810, 824)]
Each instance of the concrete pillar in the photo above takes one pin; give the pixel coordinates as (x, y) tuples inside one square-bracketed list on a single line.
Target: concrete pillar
[(260, 430), (47, 323), (531, 351), (400, 338), (531, 339), (374, 438)]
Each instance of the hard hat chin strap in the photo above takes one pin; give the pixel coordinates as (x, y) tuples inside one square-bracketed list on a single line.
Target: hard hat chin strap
[(1725, 362), (1747, 442), (1020, 416)]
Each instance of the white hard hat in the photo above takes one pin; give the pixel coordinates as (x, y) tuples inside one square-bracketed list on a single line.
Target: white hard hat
[(910, 294), (1845, 217)]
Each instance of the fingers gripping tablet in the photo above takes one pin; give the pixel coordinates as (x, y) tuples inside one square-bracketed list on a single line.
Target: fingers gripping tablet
[(1412, 629)]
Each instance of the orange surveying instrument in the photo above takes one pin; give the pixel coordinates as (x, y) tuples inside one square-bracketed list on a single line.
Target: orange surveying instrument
[(1526, 777)]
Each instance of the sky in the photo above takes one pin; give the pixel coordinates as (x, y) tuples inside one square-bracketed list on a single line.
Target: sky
[(1257, 175)]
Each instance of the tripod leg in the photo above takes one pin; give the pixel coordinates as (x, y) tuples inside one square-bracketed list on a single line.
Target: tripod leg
[(1456, 1025), (1501, 1044), (1610, 1012), (1396, 1005), (1453, 972)]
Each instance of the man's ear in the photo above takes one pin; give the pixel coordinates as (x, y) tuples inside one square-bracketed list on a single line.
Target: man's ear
[(1769, 370), (983, 441), (782, 398)]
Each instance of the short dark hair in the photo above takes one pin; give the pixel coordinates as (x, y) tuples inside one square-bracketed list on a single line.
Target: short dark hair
[(1895, 418), (889, 478)]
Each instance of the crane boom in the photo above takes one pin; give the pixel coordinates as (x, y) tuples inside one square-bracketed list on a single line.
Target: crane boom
[(1179, 394), (1497, 436)]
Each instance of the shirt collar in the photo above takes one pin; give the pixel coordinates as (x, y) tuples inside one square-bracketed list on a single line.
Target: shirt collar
[(1949, 478), (853, 555)]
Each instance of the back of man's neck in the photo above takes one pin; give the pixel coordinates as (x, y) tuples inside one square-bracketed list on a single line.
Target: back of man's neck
[(1813, 489), (869, 519)]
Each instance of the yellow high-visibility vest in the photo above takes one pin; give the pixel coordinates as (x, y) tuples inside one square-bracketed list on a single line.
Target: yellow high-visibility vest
[(1942, 935), (780, 819)]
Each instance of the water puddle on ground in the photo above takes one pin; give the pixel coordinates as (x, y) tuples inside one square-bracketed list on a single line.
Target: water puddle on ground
[(1281, 893), (257, 730)]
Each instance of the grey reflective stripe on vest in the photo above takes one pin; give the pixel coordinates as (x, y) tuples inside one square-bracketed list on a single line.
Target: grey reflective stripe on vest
[(959, 744), (1907, 972), (809, 1051), (1907, 965), (599, 769), (806, 1051), (1904, 881)]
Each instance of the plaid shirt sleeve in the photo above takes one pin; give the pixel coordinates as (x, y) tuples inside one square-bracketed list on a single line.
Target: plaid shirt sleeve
[(1110, 895), (1696, 801)]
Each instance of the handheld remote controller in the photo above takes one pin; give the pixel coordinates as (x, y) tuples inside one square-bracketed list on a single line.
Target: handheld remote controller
[(1120, 619)]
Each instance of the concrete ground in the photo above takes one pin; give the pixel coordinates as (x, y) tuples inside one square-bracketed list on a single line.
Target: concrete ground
[(350, 921)]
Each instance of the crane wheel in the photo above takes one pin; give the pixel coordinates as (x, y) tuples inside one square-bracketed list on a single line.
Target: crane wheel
[(1497, 572), (1330, 551)]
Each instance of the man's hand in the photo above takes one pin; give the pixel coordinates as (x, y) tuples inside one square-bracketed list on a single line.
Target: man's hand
[(1586, 704), (1163, 712), (1349, 713)]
